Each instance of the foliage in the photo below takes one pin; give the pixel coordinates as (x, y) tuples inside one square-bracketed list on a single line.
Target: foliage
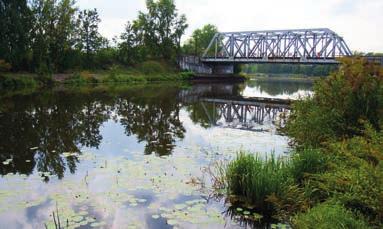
[(88, 39), (199, 40), (50, 36), (329, 215), (152, 67), (157, 33), (17, 81), (341, 101), (52, 32), (336, 168), (15, 21), (254, 179), (355, 175), (307, 162)]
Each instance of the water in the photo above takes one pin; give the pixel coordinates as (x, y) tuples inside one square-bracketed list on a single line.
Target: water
[(125, 156)]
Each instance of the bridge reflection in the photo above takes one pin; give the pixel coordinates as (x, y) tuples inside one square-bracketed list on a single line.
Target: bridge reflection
[(246, 113)]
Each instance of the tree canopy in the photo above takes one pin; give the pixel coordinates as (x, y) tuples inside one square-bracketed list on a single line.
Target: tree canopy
[(47, 36), (200, 40)]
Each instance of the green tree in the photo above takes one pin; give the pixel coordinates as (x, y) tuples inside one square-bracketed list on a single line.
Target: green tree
[(200, 40), (130, 45), (88, 40), (15, 21), (161, 28), (53, 33)]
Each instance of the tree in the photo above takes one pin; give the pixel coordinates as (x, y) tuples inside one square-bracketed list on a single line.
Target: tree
[(88, 38), (15, 21), (200, 40), (130, 45), (52, 33), (161, 28)]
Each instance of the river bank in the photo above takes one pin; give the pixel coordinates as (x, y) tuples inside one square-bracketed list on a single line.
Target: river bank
[(332, 176), (31, 80)]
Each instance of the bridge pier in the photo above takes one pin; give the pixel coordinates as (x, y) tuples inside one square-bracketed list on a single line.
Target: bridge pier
[(222, 69)]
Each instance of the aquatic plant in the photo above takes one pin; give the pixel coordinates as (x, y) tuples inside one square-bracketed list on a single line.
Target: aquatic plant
[(252, 178)]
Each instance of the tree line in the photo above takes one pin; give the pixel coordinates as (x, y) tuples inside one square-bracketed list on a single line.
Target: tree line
[(46, 36)]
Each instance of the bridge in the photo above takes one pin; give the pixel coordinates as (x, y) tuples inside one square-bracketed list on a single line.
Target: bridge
[(300, 46), (303, 46)]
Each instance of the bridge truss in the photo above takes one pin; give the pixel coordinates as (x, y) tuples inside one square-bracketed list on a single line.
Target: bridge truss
[(311, 46)]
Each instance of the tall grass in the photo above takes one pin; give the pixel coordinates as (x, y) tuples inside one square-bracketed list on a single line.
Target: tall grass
[(253, 178), (305, 162)]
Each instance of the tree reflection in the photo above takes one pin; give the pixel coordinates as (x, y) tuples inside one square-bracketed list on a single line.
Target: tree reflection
[(153, 119), (36, 129), (54, 123)]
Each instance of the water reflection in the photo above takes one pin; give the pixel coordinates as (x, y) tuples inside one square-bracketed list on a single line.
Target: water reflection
[(278, 88), (95, 143), (246, 113), (36, 129)]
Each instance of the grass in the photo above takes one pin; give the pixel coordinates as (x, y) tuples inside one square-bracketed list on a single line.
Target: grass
[(306, 162), (149, 71), (253, 179), (329, 215)]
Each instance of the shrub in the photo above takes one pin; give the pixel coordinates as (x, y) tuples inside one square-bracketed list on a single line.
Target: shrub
[(17, 81), (253, 179), (354, 176), (328, 215), (83, 77), (187, 75), (152, 67), (340, 102)]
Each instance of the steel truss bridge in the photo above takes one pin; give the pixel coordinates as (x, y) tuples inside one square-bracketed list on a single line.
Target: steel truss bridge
[(301, 46)]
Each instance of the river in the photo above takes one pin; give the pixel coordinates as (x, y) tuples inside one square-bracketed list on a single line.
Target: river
[(127, 156)]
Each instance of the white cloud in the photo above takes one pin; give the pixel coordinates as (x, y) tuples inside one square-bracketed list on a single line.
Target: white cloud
[(360, 22)]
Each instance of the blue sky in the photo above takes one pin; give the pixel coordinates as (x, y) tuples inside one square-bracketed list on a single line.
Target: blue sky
[(360, 22)]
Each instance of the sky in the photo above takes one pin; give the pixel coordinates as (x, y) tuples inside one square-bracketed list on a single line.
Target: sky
[(359, 22)]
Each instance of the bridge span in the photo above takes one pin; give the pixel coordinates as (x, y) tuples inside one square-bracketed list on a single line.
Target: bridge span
[(301, 46)]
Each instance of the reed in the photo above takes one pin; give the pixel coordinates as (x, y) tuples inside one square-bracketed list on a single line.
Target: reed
[(254, 179)]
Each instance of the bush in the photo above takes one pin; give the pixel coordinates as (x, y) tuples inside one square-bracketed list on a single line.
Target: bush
[(340, 102), (17, 81), (187, 75), (328, 215), (355, 175), (254, 179), (83, 77), (152, 67)]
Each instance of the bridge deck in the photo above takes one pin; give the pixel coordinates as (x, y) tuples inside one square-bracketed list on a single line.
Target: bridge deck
[(269, 61)]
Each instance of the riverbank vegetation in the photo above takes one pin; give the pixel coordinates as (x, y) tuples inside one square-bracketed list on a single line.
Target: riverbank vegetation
[(334, 175), (46, 38)]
